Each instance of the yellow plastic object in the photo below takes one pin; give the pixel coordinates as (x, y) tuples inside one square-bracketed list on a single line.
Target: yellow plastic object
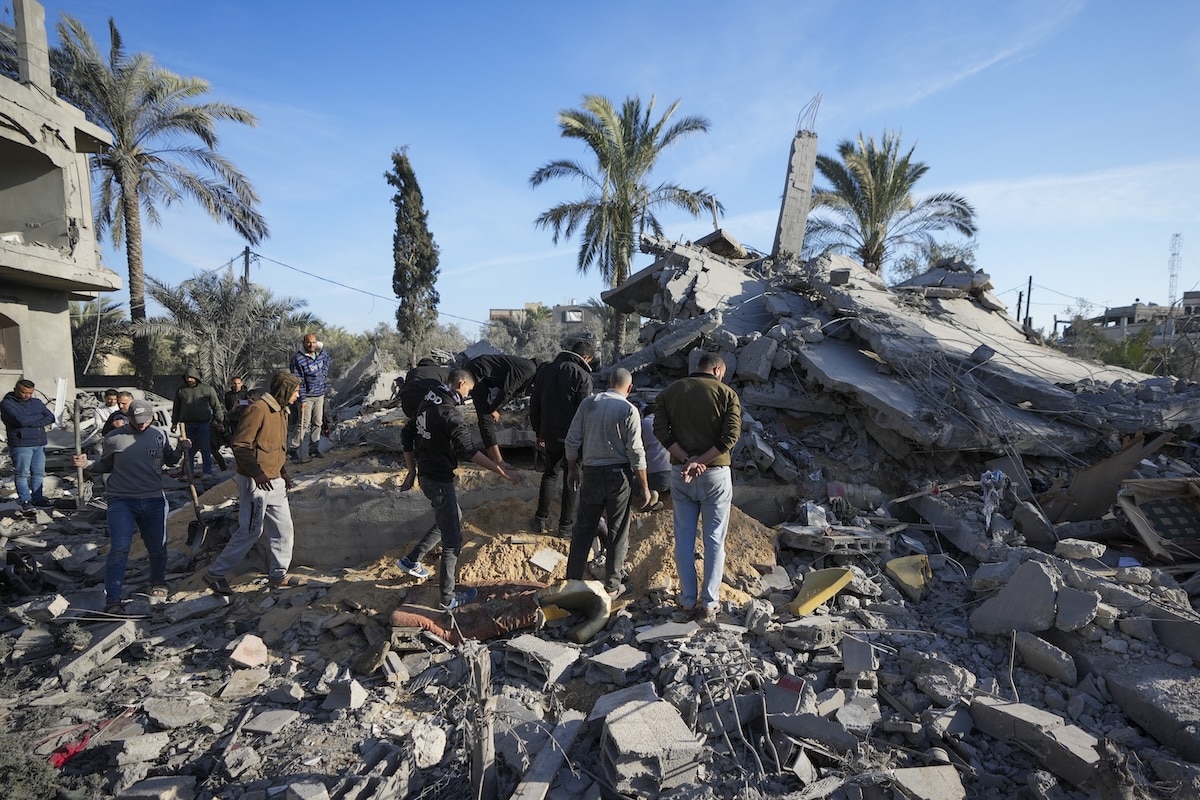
[(911, 573), (553, 612), (819, 585)]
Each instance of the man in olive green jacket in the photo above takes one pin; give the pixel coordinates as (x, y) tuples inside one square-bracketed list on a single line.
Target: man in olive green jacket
[(198, 407)]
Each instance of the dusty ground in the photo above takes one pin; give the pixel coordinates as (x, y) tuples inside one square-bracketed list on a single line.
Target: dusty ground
[(497, 546)]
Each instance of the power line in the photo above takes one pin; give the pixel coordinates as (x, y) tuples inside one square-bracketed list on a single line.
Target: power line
[(261, 257)]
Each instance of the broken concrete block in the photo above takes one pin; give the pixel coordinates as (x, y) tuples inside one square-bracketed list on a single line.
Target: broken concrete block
[(943, 682), (345, 694), (163, 787), (911, 574), (1033, 524), (177, 712), (941, 782), (818, 729), (45, 608), (146, 747), (249, 651), (307, 790), (619, 665), (1079, 549), (204, 604), (606, 704), (994, 575), (1066, 750), (1134, 576), (240, 759), (1141, 628), (814, 633), (858, 655), (243, 683), (1041, 656), (105, 646), (273, 721), (543, 663), (647, 748), (547, 559), (1075, 608), (859, 715), (1162, 699), (755, 360), (1026, 603)]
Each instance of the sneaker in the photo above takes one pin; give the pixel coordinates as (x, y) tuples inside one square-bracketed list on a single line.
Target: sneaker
[(706, 616), (416, 570), (618, 592), (25, 508), (218, 583), (43, 502), (538, 525), (461, 599), (684, 614), (565, 533)]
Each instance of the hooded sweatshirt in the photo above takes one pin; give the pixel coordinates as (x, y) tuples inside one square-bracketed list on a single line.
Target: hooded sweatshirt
[(198, 403)]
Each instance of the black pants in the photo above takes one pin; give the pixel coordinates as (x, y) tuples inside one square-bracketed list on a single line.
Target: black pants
[(556, 459), (606, 491)]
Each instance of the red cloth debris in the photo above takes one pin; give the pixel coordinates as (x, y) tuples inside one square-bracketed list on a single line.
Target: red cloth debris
[(66, 752)]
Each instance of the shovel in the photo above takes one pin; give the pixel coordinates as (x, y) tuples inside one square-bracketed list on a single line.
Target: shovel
[(196, 528)]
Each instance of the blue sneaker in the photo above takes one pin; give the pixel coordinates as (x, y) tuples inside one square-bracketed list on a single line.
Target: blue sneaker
[(461, 599), (416, 570)]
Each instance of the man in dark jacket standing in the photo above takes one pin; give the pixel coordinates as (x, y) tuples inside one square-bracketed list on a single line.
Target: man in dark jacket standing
[(25, 420), (498, 379), (560, 386), (197, 407), (434, 440)]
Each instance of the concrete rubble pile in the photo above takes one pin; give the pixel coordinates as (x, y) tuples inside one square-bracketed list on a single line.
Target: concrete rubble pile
[(866, 663), (929, 370)]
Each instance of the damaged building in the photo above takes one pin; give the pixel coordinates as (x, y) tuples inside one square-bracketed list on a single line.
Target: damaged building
[(48, 254)]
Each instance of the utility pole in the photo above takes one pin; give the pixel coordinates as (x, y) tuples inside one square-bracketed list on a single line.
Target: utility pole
[(246, 266), (1029, 303), (1020, 297)]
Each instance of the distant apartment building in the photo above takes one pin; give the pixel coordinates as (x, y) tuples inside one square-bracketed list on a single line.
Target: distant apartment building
[(48, 254), (1119, 322), (576, 320)]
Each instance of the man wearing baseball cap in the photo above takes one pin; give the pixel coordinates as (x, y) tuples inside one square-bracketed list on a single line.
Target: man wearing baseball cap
[(133, 457)]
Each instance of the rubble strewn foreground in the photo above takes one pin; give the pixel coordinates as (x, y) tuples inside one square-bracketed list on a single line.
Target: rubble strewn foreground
[(917, 673)]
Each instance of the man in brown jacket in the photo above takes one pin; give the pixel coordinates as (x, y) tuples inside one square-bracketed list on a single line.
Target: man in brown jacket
[(260, 449)]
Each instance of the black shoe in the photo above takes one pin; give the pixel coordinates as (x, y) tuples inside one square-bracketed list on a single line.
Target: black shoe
[(538, 525), (42, 502)]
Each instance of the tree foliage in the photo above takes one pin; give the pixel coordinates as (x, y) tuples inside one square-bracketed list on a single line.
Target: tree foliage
[(225, 327), (926, 255), (532, 333), (164, 151), (98, 329), (618, 203), (415, 255), (868, 208)]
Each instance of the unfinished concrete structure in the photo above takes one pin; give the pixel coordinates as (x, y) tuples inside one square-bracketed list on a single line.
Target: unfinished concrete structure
[(48, 253)]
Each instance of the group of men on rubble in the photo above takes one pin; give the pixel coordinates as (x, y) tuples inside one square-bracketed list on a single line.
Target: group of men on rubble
[(600, 439)]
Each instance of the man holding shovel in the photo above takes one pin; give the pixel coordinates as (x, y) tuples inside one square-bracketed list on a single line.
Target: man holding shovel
[(260, 449), (133, 457)]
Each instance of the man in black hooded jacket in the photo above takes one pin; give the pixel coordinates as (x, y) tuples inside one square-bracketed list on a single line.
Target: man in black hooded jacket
[(498, 379), (560, 386)]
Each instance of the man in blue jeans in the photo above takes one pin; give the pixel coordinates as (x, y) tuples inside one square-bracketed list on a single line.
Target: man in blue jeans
[(699, 420), (434, 440), (133, 457), (25, 420)]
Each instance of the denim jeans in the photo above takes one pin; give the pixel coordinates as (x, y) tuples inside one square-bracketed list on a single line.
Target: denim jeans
[(149, 515), (607, 491), (556, 459), (704, 504), (260, 510), (29, 466), (201, 435), (446, 531)]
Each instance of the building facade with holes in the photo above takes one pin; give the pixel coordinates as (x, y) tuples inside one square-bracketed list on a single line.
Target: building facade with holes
[(48, 253)]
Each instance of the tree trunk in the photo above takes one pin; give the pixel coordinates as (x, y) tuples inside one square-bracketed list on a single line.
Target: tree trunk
[(131, 215), (618, 335)]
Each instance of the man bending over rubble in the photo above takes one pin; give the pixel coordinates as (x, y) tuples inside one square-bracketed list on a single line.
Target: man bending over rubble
[(260, 450), (434, 440), (497, 379), (133, 457), (699, 420)]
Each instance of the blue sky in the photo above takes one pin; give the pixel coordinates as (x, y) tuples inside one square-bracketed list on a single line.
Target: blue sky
[(1071, 126)]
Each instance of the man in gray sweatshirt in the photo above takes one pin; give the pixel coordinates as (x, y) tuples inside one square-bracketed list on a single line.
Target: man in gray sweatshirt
[(133, 457)]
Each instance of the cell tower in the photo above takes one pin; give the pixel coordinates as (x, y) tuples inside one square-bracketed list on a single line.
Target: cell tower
[(1173, 270)]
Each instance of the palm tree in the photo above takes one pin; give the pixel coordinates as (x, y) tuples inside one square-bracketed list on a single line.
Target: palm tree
[(98, 329), (154, 121), (225, 327), (619, 203), (870, 203)]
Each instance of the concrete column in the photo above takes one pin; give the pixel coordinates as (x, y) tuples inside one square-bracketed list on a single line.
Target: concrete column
[(797, 194), (33, 55)]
